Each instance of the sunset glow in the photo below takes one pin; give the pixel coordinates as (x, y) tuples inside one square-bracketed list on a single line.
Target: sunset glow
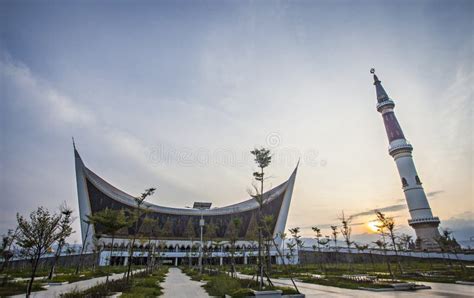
[(372, 225)]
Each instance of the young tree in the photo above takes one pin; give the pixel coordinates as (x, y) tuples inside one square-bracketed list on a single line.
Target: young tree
[(324, 242), (295, 233), (263, 159), (150, 227), (65, 230), (190, 233), (334, 238), (139, 201), (111, 222), (318, 237), (268, 222), (6, 249), (382, 244), (346, 231), (233, 235), (448, 243), (406, 241), (96, 249), (36, 235), (84, 246), (389, 224), (361, 248), (167, 229), (290, 255)]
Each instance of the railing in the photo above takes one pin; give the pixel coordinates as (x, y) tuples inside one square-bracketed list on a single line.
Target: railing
[(434, 219)]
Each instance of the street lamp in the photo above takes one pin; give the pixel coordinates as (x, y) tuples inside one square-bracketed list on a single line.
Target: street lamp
[(201, 206)]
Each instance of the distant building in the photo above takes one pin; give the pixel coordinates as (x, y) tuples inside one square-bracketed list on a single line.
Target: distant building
[(422, 219), (177, 230)]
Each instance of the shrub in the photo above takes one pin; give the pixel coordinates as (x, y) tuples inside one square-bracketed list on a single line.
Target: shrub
[(221, 285)]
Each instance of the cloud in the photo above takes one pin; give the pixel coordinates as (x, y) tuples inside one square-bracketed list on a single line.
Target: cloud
[(63, 111), (462, 225), (52, 116), (59, 107), (433, 194), (391, 208)]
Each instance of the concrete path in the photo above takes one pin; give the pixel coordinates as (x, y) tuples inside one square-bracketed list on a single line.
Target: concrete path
[(55, 291), (178, 284), (437, 290)]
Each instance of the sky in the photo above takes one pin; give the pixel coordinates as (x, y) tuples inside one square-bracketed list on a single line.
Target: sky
[(175, 94)]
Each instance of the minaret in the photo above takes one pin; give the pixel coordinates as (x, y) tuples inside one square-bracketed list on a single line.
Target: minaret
[(422, 220)]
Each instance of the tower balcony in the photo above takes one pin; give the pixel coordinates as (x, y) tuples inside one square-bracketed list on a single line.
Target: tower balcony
[(400, 147), (427, 220), (385, 104)]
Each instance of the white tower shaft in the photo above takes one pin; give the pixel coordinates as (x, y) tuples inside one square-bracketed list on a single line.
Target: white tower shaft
[(422, 219)]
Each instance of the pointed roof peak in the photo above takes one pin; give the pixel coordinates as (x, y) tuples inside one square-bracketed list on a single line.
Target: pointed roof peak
[(76, 153)]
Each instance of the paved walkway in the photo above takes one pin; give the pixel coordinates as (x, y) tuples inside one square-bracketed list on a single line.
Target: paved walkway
[(55, 291), (437, 290), (178, 284)]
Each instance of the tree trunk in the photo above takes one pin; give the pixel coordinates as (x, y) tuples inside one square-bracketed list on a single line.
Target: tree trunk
[(284, 264), (53, 266), (372, 260), (349, 258), (33, 273), (389, 267), (110, 261), (269, 258), (130, 258), (400, 268), (82, 251)]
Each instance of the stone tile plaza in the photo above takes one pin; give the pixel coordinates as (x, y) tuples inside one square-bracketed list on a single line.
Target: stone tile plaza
[(235, 148)]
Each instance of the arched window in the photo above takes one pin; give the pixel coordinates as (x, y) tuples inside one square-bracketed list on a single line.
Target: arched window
[(418, 181), (404, 182)]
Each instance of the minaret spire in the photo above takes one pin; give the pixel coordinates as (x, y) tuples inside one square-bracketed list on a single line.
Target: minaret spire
[(381, 94), (422, 219)]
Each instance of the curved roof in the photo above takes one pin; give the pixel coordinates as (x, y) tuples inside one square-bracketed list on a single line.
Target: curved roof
[(127, 199)]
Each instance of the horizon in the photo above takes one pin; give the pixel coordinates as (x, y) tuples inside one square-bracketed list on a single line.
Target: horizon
[(175, 96)]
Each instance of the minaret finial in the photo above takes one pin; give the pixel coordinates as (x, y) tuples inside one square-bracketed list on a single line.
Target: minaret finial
[(376, 79)]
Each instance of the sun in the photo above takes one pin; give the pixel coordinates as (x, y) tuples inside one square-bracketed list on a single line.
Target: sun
[(373, 226)]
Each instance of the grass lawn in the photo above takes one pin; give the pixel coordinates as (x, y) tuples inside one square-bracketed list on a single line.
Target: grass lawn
[(15, 288), (222, 284), (414, 270), (62, 275), (142, 285), (331, 273)]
